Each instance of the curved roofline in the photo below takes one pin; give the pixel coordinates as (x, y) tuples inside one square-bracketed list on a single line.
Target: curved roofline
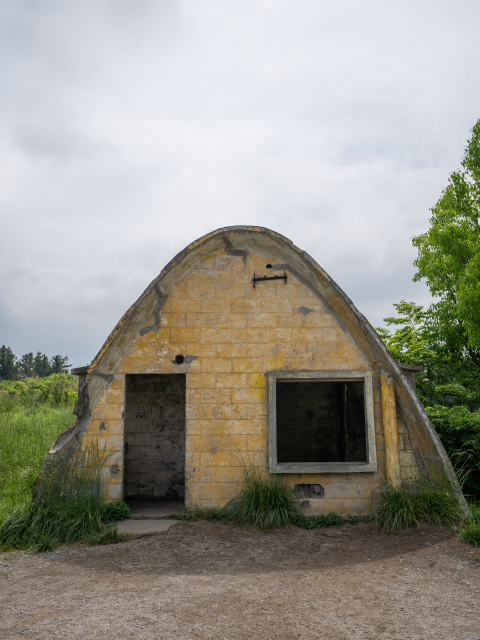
[(176, 260)]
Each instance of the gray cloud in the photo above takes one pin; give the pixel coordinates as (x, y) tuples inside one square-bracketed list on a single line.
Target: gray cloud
[(131, 128), (57, 143)]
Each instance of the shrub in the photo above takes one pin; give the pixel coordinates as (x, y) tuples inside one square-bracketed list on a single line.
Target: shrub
[(459, 431), (471, 534), (212, 514), (321, 521), (57, 390), (427, 501), (116, 511), (265, 502), (67, 506)]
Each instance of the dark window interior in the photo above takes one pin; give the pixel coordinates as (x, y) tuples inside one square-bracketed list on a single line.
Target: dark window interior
[(321, 421)]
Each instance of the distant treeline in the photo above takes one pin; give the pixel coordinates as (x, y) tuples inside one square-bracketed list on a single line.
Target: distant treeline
[(30, 366)]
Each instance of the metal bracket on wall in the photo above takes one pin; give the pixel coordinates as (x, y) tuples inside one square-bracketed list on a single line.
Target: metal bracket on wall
[(255, 279)]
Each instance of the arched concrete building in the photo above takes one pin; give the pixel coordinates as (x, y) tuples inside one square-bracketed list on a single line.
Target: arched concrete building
[(244, 347)]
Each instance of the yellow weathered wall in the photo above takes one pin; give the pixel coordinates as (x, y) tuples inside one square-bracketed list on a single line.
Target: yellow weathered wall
[(237, 333)]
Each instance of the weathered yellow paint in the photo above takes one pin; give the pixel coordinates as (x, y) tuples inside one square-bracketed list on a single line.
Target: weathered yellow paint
[(389, 410), (235, 334)]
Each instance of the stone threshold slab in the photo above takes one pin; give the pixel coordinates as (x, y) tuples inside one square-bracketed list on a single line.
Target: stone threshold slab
[(138, 527)]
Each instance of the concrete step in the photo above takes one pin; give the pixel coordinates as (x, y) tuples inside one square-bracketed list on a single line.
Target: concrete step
[(138, 527)]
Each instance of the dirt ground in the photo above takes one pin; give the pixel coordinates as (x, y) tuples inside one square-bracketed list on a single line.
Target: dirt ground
[(202, 581)]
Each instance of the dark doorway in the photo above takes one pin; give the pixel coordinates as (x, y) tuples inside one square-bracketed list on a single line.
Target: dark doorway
[(155, 436), (321, 421)]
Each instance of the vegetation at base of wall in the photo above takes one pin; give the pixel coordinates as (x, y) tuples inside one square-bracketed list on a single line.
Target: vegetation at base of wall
[(318, 522), (265, 502), (222, 514), (108, 535), (408, 506), (471, 531), (475, 511), (67, 505), (471, 534), (326, 520), (117, 510), (211, 514)]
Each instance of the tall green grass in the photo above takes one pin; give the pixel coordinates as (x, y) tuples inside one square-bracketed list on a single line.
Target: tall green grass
[(265, 501), (425, 501), (471, 532), (68, 505), (33, 412)]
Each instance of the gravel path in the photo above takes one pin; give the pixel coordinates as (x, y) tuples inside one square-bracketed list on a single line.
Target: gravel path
[(214, 581)]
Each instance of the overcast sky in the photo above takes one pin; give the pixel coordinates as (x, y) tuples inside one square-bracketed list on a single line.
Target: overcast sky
[(129, 128)]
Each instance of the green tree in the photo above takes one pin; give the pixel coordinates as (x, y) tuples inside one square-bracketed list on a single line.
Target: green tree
[(41, 365), (449, 260), (8, 364), (445, 338), (25, 366), (408, 343), (448, 388), (59, 364)]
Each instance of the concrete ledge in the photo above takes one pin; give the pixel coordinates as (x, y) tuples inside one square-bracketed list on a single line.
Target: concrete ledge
[(78, 371)]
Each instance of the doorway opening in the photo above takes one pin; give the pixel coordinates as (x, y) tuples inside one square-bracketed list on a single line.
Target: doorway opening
[(155, 437)]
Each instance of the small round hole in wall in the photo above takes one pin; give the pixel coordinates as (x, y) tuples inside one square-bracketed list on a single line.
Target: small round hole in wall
[(268, 266), (179, 359)]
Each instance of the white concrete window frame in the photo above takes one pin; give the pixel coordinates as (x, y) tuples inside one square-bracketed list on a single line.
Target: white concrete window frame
[(320, 467)]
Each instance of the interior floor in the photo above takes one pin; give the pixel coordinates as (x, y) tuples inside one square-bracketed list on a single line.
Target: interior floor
[(154, 508)]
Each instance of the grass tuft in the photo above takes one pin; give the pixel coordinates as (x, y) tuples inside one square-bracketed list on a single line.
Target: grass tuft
[(68, 506), (471, 534), (265, 502), (211, 514), (109, 535), (427, 501), (321, 521), (471, 531), (475, 511), (117, 510)]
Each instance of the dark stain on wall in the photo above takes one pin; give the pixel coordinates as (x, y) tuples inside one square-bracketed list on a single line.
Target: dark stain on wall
[(230, 251), (156, 313), (305, 310)]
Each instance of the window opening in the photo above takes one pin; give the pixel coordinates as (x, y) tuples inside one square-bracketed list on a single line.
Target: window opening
[(321, 421)]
